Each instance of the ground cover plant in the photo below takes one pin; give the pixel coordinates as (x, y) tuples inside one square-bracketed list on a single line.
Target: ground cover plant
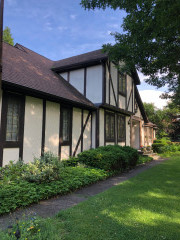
[(23, 184), (144, 207)]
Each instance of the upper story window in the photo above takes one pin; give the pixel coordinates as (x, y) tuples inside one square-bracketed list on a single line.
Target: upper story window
[(121, 128), (66, 114), (110, 127), (13, 118), (122, 83)]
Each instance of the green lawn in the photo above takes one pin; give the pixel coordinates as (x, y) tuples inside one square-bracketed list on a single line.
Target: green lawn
[(144, 207)]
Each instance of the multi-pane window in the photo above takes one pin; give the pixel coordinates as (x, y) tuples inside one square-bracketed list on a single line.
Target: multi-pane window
[(110, 127), (122, 83), (13, 116), (121, 128), (66, 124)]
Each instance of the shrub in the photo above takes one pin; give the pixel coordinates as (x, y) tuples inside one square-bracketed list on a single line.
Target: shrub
[(71, 162), (110, 158), (164, 145)]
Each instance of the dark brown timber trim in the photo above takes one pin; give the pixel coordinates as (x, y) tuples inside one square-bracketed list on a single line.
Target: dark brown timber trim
[(91, 128), (43, 127), (82, 122), (82, 132), (133, 105), (60, 138), (97, 128), (68, 76)]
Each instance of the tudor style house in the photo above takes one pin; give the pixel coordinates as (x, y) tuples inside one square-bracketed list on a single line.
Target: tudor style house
[(67, 106)]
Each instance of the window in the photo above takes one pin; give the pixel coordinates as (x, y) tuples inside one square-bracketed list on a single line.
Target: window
[(122, 84), (66, 125), (121, 128), (110, 127), (13, 119)]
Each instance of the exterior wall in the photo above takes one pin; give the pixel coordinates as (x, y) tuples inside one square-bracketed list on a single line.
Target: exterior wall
[(76, 129), (65, 152), (32, 128), (87, 132), (93, 130), (136, 134), (115, 84), (64, 75), (122, 102), (94, 84), (76, 78), (52, 127), (130, 93), (127, 132), (10, 154), (101, 127)]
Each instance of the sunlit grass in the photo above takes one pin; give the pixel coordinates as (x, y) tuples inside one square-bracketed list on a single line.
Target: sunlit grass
[(146, 207)]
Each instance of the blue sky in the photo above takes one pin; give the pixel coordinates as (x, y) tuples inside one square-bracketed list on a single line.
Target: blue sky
[(58, 29)]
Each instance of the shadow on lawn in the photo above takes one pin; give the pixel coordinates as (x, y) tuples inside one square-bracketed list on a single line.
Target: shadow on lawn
[(145, 207)]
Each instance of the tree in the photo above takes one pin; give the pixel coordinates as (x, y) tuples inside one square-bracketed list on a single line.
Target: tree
[(7, 36), (166, 119), (150, 42)]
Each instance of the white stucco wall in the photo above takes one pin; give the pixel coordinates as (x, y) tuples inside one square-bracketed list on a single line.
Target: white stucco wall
[(129, 88), (127, 132), (94, 84), (32, 128), (122, 144), (107, 84), (87, 132), (76, 129), (10, 154), (52, 127), (114, 81), (122, 102), (65, 152), (101, 127), (76, 78), (64, 75)]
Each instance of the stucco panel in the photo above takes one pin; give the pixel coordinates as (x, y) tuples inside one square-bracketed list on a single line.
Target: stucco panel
[(114, 81), (77, 79), (76, 129), (122, 102), (32, 128), (87, 132), (65, 152), (101, 127), (93, 130), (52, 127), (64, 75), (127, 132), (10, 154), (94, 84), (129, 94)]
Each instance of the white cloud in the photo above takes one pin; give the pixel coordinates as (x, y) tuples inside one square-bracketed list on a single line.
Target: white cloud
[(47, 26), (153, 96), (73, 16), (113, 25), (62, 28)]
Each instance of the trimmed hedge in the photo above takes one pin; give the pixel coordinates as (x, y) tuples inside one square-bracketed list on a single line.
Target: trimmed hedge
[(164, 145), (110, 158)]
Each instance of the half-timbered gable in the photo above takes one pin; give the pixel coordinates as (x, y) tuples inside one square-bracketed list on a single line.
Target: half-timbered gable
[(67, 106)]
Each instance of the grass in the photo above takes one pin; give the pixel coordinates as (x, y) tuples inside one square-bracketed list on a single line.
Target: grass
[(146, 207)]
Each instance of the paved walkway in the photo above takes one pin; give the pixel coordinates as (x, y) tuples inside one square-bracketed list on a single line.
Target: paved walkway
[(50, 207)]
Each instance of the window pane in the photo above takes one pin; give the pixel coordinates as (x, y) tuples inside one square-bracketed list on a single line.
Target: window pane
[(110, 127), (122, 83), (121, 128), (13, 112), (66, 125)]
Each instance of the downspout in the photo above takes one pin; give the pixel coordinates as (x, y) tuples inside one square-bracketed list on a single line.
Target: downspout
[(1, 38)]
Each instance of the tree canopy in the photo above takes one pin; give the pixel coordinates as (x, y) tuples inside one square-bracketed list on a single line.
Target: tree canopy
[(150, 42), (7, 36), (166, 119)]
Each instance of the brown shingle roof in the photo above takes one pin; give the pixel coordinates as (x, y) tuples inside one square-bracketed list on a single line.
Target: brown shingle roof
[(28, 69), (78, 60)]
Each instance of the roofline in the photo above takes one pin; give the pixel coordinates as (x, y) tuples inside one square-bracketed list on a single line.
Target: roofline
[(42, 95), (141, 106), (79, 65)]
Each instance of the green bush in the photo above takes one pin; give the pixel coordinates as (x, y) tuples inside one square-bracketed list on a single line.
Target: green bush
[(71, 162), (165, 145), (110, 158)]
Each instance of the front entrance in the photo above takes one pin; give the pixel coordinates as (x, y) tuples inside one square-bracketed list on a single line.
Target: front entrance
[(135, 134)]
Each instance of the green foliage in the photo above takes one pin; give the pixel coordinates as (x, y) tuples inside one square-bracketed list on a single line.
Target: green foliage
[(110, 158), (164, 145), (71, 162), (7, 36), (150, 41), (42, 179), (144, 159), (164, 119)]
